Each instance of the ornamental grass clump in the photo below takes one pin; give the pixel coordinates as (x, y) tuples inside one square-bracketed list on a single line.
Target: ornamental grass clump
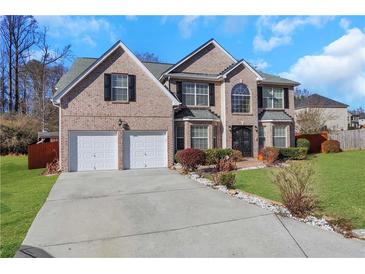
[(227, 179), (295, 183)]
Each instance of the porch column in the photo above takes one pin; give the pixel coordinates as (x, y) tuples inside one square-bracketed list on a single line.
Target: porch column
[(187, 140)]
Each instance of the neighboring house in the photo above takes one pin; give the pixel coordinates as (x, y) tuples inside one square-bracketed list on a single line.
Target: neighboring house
[(362, 119), (119, 113), (335, 112)]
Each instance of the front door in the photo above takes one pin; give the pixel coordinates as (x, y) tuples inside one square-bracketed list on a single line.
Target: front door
[(242, 139)]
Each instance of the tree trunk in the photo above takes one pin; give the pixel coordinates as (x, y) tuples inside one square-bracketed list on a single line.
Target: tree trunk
[(16, 86), (10, 73)]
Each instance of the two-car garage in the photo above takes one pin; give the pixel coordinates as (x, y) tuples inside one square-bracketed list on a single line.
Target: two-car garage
[(98, 150)]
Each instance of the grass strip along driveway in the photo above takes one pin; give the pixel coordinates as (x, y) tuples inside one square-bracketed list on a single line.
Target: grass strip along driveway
[(339, 185), (23, 193)]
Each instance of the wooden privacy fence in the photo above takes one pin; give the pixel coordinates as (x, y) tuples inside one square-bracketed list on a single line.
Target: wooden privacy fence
[(350, 139), (41, 154), (315, 140)]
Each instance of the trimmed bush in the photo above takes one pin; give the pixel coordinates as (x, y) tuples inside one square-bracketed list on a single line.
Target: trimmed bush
[(213, 155), (295, 183), (271, 154), (190, 158), (302, 142), (330, 146), (294, 153), (227, 179)]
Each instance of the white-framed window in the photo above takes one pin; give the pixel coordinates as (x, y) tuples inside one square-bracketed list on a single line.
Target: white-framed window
[(195, 94), (119, 87), (261, 136), (273, 97), (179, 138), (240, 99), (199, 137), (279, 136), (215, 132)]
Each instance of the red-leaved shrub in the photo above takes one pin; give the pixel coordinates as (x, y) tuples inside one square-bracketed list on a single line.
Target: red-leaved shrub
[(271, 154), (190, 158), (330, 146), (226, 164)]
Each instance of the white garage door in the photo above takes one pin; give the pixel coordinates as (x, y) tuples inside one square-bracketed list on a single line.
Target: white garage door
[(93, 150), (145, 149)]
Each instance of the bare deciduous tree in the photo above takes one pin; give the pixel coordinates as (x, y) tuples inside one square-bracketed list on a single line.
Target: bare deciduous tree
[(147, 57), (312, 120)]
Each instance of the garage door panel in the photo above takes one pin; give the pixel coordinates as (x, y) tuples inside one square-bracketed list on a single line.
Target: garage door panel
[(93, 150), (145, 149)]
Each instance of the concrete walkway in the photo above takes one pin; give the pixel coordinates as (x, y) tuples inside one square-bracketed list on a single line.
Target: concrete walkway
[(159, 213)]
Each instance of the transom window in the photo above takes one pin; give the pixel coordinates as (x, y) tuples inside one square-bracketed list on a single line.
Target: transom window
[(195, 94), (240, 99), (119, 87), (273, 97), (199, 137), (180, 138), (279, 136)]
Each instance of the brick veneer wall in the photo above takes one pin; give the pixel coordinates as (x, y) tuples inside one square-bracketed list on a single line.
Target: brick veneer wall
[(84, 108)]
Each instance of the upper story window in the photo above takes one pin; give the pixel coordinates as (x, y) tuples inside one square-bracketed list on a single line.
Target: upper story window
[(240, 99), (273, 97), (195, 94), (119, 87)]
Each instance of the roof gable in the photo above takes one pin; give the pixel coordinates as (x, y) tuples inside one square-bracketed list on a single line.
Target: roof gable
[(197, 51), (69, 84)]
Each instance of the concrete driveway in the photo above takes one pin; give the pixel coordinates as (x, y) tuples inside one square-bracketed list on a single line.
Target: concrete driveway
[(159, 213)]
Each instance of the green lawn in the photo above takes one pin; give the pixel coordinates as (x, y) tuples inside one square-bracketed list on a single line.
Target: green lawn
[(23, 193), (340, 184)]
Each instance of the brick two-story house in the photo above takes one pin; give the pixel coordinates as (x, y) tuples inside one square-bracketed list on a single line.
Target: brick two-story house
[(117, 112)]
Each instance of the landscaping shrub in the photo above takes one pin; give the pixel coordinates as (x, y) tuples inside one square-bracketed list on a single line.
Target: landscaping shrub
[(52, 168), (16, 133), (330, 146), (227, 179), (302, 142), (237, 155), (295, 184), (271, 154), (213, 155), (226, 164), (294, 153), (190, 158)]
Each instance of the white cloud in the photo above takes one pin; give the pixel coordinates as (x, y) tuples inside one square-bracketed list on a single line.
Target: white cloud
[(186, 25), (89, 41), (131, 17), (76, 27), (338, 72), (344, 23), (234, 24), (280, 32), (260, 64)]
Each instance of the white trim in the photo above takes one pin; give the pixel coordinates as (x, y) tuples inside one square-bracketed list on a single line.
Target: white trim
[(111, 87), (258, 76), (279, 121), (192, 119), (223, 115), (175, 102), (195, 52)]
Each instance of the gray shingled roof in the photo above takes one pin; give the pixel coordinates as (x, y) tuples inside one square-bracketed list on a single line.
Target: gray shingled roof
[(196, 114), (81, 64), (274, 79), (274, 115), (318, 101)]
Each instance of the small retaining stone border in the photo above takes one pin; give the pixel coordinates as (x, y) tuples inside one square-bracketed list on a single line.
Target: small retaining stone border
[(263, 203)]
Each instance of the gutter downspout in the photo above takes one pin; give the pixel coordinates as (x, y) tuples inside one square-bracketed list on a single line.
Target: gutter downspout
[(59, 133)]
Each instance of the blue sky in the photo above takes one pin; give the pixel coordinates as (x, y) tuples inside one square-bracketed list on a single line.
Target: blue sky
[(326, 54)]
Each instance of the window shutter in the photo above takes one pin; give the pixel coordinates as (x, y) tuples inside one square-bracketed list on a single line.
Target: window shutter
[(107, 87), (211, 95), (286, 98), (259, 97), (132, 88), (179, 90)]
